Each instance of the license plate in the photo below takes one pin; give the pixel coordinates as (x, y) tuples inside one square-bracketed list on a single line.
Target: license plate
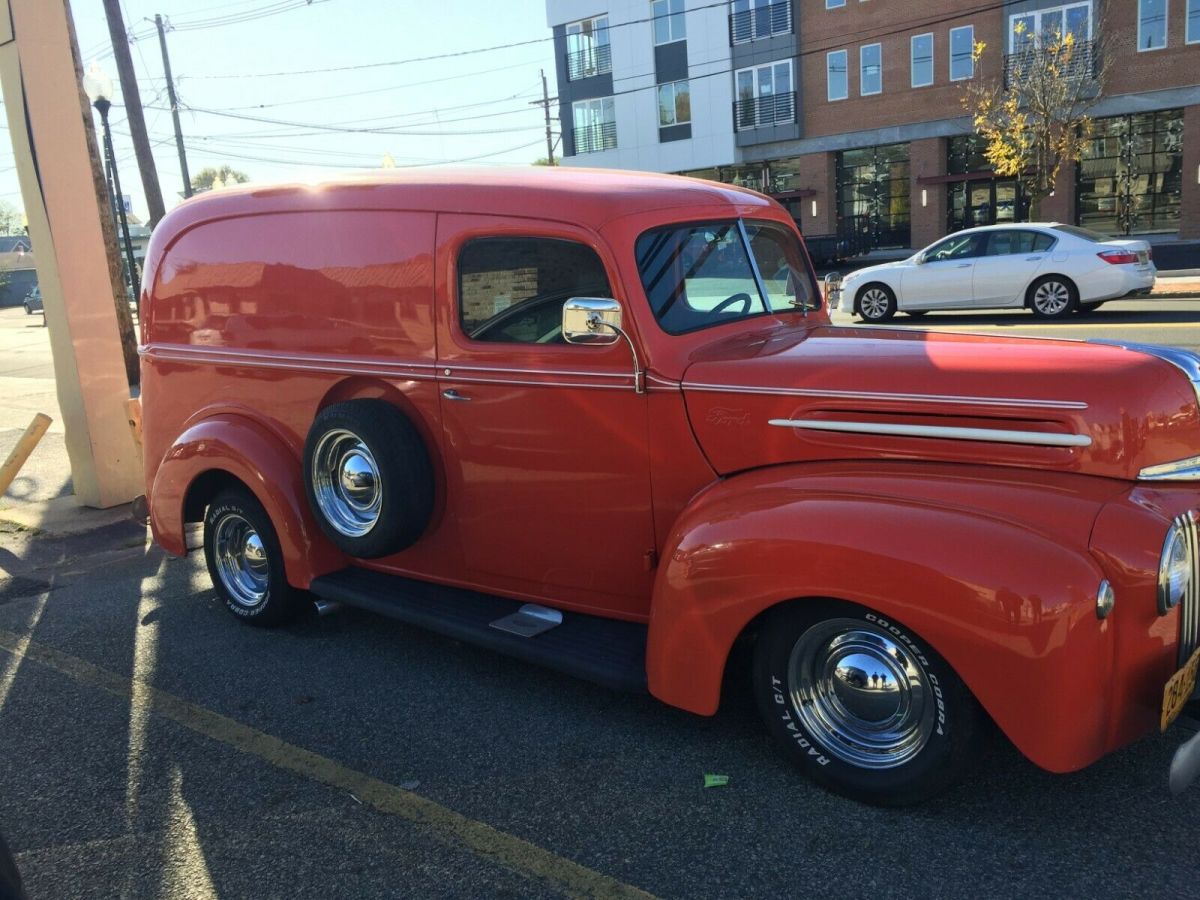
[(1179, 689)]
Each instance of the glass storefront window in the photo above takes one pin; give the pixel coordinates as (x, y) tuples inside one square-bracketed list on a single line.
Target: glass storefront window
[(1130, 180), (874, 195), (979, 201)]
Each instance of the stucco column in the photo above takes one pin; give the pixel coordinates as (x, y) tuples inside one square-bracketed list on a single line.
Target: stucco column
[(54, 147)]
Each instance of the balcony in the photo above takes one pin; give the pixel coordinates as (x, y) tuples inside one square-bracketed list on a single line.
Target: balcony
[(771, 109), (760, 22), (1082, 64), (589, 62), (593, 138)]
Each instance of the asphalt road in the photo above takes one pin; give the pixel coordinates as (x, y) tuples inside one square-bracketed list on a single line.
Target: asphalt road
[(154, 747)]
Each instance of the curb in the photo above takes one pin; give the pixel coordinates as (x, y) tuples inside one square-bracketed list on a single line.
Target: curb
[(64, 517)]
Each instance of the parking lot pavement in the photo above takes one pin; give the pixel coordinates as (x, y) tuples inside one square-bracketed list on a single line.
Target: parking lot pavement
[(154, 747)]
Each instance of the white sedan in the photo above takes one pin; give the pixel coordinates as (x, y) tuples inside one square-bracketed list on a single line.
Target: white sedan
[(1052, 269)]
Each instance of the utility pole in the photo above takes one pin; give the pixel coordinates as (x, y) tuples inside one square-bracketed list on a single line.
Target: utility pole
[(133, 110), (183, 169), (545, 104)]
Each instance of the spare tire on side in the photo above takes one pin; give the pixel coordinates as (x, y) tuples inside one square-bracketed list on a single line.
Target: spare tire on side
[(368, 478)]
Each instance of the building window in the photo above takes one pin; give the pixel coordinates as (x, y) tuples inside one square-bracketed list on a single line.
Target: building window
[(836, 75), (1152, 24), (588, 50), (510, 289), (834, 4), (1130, 180), (1192, 35), (674, 104), (755, 19), (922, 60), (873, 196), (764, 96), (669, 23), (962, 52), (1048, 26), (595, 124), (870, 69)]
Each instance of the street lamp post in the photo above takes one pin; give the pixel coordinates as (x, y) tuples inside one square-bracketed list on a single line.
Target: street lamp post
[(99, 89)]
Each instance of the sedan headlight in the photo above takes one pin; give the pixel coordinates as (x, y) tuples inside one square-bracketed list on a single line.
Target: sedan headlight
[(1174, 569)]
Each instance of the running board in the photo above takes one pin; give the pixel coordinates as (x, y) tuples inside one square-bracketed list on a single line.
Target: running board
[(609, 652)]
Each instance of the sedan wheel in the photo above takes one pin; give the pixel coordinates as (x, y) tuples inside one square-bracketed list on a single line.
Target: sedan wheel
[(1052, 298), (876, 303)]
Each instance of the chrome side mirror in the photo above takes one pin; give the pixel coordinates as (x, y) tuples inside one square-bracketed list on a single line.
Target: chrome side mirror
[(591, 320), (833, 290), (597, 320)]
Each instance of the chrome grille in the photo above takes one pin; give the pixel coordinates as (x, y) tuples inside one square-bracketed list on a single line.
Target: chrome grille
[(1189, 608)]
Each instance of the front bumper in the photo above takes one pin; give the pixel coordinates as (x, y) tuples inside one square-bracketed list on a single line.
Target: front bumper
[(1185, 764)]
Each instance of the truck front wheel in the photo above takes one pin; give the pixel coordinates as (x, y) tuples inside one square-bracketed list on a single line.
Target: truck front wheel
[(861, 703)]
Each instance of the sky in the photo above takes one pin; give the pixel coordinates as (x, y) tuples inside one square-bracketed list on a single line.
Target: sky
[(475, 107)]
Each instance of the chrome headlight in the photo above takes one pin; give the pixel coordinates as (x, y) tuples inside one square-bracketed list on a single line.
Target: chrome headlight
[(1174, 569)]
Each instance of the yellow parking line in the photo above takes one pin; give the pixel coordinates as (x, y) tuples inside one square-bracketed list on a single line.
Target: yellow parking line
[(482, 839)]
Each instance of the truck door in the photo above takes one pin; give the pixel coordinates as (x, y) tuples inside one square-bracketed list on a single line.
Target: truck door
[(547, 460)]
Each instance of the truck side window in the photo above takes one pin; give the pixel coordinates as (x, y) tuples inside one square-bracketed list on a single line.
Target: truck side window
[(513, 289)]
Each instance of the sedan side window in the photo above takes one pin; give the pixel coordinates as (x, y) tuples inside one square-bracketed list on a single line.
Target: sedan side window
[(1003, 243), (960, 246), (513, 289)]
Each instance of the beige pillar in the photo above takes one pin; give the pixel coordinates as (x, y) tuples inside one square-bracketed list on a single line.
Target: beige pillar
[(53, 143)]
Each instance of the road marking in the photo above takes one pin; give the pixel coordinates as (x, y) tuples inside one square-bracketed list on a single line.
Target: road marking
[(519, 855)]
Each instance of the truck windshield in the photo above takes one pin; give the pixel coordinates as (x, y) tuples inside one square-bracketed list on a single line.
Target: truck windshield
[(708, 274)]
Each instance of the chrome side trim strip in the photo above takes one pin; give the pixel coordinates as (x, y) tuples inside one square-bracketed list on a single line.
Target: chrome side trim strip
[(1179, 470), (995, 435), (1185, 361), (901, 398)]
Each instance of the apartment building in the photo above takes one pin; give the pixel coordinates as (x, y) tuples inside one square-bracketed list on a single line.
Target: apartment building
[(850, 111)]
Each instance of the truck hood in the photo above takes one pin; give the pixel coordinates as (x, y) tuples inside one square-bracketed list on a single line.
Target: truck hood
[(794, 395)]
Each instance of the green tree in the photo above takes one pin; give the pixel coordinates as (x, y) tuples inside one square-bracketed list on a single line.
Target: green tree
[(12, 220), (1033, 116), (543, 161), (204, 179)]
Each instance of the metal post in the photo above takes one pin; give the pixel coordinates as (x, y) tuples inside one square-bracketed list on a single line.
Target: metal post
[(183, 169), (102, 107)]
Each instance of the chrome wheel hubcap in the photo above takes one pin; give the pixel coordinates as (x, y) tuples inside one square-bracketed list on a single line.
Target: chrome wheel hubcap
[(241, 560), (874, 303), (864, 697), (346, 483), (1051, 298)]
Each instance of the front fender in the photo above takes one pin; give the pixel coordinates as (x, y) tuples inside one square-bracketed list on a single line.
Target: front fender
[(260, 460), (993, 571)]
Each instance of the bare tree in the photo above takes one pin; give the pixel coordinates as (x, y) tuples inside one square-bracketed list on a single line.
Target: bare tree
[(1033, 115)]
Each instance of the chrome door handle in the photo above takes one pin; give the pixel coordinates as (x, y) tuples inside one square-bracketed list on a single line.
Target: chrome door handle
[(452, 394)]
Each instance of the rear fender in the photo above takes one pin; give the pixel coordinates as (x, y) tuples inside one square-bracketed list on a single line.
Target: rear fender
[(260, 460), (1012, 611)]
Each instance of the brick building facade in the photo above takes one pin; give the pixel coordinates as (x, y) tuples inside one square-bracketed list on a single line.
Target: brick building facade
[(850, 111)]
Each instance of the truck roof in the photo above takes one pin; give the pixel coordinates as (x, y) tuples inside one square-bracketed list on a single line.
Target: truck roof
[(583, 196)]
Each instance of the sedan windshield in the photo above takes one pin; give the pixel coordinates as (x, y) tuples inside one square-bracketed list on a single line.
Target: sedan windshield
[(717, 272)]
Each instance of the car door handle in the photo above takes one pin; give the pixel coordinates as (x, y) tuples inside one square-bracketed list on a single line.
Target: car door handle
[(452, 394), (963, 266), (1032, 259)]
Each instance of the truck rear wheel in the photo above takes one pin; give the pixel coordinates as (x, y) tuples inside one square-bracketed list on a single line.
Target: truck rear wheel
[(862, 704), (244, 559), (368, 478)]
